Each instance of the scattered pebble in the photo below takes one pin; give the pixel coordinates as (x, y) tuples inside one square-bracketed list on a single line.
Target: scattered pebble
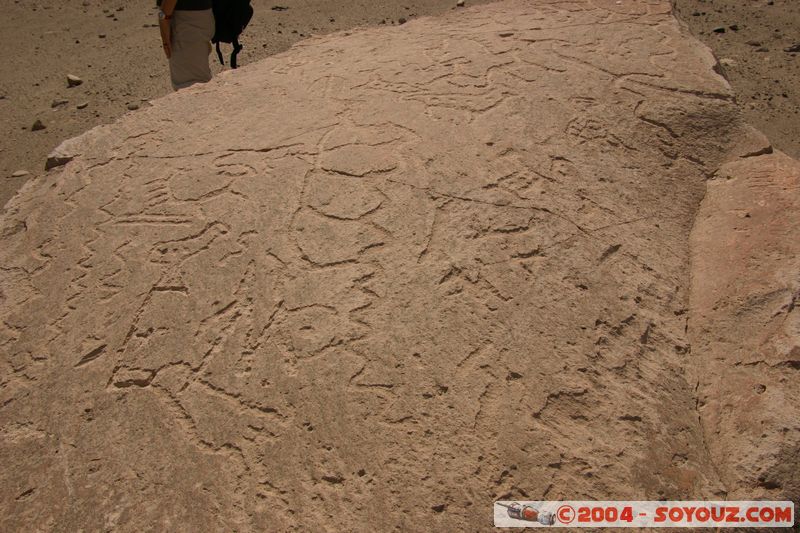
[(58, 102), (73, 81), (133, 106), (38, 125), (720, 29), (401, 20), (20, 174), (460, 3), (83, 105), (793, 49), (279, 8)]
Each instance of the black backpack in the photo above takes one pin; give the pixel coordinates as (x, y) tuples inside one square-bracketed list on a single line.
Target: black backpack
[(232, 17)]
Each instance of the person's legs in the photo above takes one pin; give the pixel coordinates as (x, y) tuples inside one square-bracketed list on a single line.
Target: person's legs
[(191, 35)]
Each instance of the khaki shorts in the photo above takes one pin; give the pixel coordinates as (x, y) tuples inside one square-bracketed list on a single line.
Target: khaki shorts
[(191, 45)]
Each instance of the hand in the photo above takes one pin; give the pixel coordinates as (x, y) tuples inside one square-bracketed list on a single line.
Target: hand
[(166, 36)]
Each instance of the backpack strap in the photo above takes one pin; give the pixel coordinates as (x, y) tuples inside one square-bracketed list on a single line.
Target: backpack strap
[(236, 49), (219, 54)]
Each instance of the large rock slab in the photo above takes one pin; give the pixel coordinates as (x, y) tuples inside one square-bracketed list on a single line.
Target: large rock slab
[(386, 278), (745, 324)]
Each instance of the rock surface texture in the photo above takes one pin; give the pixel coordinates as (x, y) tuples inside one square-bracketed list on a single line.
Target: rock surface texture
[(379, 281)]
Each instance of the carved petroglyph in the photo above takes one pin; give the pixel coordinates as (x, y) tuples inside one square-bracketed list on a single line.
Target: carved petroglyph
[(412, 267)]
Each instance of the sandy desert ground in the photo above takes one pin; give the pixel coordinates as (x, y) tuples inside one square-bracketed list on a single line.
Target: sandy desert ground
[(114, 47)]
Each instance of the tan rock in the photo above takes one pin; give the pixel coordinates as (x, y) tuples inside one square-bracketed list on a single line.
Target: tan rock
[(745, 324), (73, 80), (387, 278)]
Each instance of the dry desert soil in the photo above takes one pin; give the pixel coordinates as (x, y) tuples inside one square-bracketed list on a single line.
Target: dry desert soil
[(113, 47)]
